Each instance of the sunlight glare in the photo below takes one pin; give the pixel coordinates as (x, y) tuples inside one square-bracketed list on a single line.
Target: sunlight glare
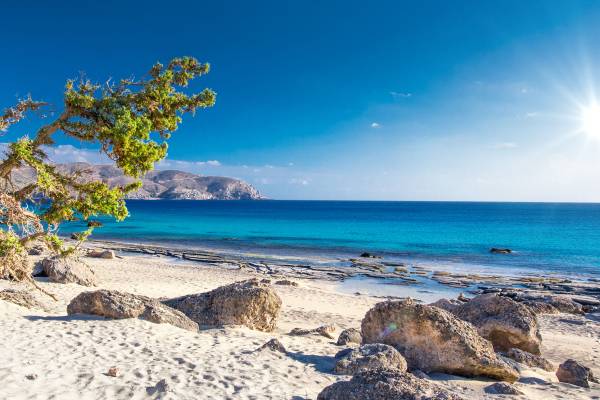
[(590, 120)]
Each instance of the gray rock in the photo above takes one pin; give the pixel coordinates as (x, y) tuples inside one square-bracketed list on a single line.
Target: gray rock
[(503, 321), (120, 305), (35, 251), (286, 282), (385, 385), (324, 330), (502, 388), (551, 304), (249, 303), (105, 254), (273, 345), (531, 360), (68, 270), (433, 340), (351, 335), (575, 373), (370, 357)]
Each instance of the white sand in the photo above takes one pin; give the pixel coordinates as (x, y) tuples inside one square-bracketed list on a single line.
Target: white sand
[(69, 356)]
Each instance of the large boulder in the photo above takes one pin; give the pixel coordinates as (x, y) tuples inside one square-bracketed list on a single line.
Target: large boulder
[(369, 357), (433, 340), (120, 305), (385, 385), (503, 321), (68, 270), (531, 360), (249, 303), (575, 373)]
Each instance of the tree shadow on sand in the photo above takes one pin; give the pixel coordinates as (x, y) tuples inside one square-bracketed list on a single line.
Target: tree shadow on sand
[(74, 317)]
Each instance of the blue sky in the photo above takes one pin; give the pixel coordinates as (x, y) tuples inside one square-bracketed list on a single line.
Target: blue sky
[(393, 100)]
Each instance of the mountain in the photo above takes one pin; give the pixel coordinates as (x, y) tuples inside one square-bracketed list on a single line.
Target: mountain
[(159, 184)]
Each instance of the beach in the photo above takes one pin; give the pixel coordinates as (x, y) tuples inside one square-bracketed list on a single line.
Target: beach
[(52, 355)]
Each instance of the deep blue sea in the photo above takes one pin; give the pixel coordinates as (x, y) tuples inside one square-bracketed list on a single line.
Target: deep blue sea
[(549, 238)]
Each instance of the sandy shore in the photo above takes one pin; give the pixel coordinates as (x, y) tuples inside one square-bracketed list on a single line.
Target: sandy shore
[(49, 355)]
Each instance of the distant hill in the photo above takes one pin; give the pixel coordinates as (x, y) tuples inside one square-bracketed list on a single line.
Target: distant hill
[(159, 184)]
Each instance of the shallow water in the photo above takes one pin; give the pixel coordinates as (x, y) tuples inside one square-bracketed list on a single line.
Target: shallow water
[(547, 238)]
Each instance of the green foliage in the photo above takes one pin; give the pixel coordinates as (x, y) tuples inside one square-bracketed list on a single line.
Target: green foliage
[(130, 121)]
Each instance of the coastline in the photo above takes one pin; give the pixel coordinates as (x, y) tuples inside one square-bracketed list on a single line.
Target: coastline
[(49, 353), (414, 280)]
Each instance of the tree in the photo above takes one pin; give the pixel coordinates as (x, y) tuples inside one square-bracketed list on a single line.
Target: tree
[(130, 121)]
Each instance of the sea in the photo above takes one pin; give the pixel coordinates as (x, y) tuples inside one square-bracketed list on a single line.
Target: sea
[(546, 238)]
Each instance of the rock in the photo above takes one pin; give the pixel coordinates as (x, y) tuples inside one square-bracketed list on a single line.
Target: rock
[(370, 357), (369, 255), (38, 270), (35, 251), (564, 304), (574, 373), (21, 298), (324, 330), (106, 254), (385, 385), (461, 297), (531, 360), (31, 377), (503, 321), (113, 371), (286, 282), (120, 305), (249, 303), (68, 270), (553, 304), (448, 305), (420, 374), (495, 250), (351, 335), (433, 340), (502, 388), (540, 307), (273, 345)]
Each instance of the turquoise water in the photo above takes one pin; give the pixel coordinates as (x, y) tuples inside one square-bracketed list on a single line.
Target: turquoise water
[(555, 238)]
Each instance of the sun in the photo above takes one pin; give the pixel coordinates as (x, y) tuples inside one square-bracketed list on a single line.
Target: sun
[(590, 120)]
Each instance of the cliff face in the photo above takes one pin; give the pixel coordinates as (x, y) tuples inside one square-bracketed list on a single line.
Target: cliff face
[(165, 184)]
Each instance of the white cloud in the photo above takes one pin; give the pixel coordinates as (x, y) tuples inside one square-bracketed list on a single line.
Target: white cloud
[(400, 95), (532, 114), (375, 125), (505, 145), (66, 153), (299, 181)]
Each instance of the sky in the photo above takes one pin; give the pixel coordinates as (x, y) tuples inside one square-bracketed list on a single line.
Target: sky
[(353, 100)]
